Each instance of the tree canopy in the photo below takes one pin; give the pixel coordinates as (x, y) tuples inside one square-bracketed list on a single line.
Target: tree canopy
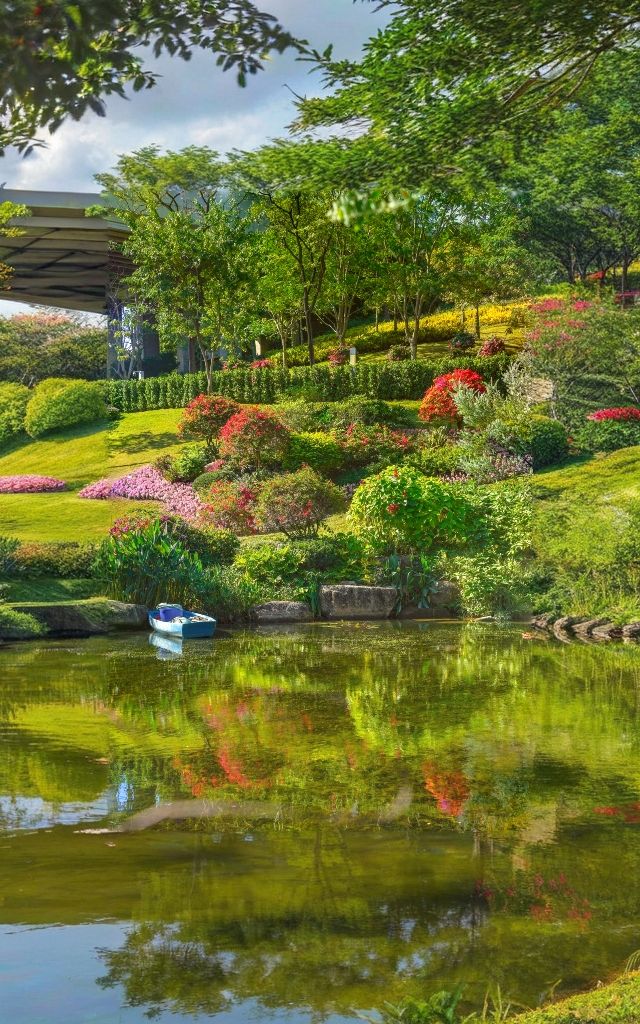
[(60, 59)]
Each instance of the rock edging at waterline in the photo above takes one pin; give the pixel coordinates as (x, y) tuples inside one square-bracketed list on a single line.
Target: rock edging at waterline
[(92, 617), (588, 630)]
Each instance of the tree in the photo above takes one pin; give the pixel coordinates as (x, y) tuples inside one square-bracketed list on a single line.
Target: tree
[(8, 213), (59, 59), (446, 88), (296, 223), (34, 346), (581, 187), (190, 268)]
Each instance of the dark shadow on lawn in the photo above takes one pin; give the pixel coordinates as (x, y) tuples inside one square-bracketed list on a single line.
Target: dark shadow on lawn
[(141, 442)]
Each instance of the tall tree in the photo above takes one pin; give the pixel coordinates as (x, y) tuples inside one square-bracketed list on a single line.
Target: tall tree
[(190, 269), (59, 59)]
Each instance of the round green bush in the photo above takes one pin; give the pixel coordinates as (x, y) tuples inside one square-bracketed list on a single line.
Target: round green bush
[(296, 503), (608, 435), (58, 403), (13, 406), (543, 439), (319, 451), (185, 465), (402, 510)]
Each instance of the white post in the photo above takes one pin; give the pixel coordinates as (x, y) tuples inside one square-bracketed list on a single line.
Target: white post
[(353, 354)]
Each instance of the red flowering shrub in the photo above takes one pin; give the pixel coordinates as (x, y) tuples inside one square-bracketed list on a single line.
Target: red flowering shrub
[(625, 412), (492, 347), (230, 506), (261, 364), (204, 416), (253, 437), (296, 503), (609, 429), (338, 356), (438, 403)]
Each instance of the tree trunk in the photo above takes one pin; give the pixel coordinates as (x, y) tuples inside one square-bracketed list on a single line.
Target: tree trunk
[(191, 356), (377, 319), (395, 318), (477, 321), (624, 276), (308, 326)]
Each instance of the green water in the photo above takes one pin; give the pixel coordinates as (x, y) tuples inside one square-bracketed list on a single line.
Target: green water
[(416, 806)]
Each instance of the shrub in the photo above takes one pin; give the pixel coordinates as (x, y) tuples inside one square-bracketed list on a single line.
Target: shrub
[(185, 466), (65, 560), (213, 546), (462, 341), (398, 353), (492, 347), (438, 402), (204, 416), (321, 452), (13, 406), (296, 503), (8, 549), (384, 380), (492, 585), (338, 356), (537, 437), (230, 505), (363, 445), (402, 510), (293, 570), (253, 437), (609, 429), (30, 483), (149, 565), (368, 411), (434, 459), (60, 403), (15, 625), (261, 364)]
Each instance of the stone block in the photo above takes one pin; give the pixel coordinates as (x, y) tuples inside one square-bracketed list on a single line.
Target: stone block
[(631, 631), (282, 611), (350, 601)]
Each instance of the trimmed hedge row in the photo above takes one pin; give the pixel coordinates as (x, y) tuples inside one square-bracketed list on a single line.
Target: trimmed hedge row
[(404, 380)]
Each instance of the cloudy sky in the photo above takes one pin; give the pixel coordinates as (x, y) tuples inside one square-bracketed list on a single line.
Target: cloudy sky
[(196, 103)]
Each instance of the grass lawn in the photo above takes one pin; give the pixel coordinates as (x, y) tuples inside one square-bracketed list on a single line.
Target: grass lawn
[(51, 590), (440, 349), (81, 456), (618, 1003)]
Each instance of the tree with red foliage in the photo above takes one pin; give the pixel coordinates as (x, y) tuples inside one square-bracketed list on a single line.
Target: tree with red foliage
[(253, 437), (438, 404)]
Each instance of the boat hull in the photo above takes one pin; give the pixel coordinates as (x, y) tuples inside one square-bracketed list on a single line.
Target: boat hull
[(190, 630)]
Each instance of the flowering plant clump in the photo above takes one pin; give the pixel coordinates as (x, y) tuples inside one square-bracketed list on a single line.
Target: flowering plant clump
[(492, 347), (296, 503), (253, 437), (30, 483), (213, 546), (361, 445), (625, 413), (606, 430), (338, 356), (205, 415), (261, 364), (144, 484), (438, 404), (402, 510), (230, 506)]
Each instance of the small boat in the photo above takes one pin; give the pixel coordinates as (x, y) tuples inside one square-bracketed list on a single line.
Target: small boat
[(175, 621)]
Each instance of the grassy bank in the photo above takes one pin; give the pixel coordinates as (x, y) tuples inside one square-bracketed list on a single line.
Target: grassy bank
[(618, 1003)]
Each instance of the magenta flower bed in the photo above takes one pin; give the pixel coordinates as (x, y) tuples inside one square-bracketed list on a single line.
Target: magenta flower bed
[(147, 484), (30, 483)]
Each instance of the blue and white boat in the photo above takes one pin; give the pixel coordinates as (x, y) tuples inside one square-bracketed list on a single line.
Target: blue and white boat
[(173, 620)]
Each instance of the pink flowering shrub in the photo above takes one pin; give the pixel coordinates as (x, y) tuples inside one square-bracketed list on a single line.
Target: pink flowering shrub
[(146, 483), (492, 347), (338, 356), (296, 503), (30, 483), (361, 444), (230, 506), (625, 412), (261, 364)]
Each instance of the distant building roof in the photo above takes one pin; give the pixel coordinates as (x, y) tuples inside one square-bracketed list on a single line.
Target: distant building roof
[(63, 258)]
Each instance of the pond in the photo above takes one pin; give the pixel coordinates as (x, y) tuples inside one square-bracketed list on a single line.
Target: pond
[(379, 810)]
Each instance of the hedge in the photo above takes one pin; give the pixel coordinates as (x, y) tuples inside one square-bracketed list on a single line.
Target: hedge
[(392, 381)]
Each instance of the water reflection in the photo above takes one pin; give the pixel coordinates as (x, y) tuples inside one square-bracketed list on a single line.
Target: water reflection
[(450, 804)]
